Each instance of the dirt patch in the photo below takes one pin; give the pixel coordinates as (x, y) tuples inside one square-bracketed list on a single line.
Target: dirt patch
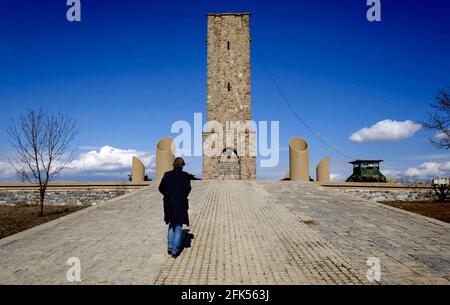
[(436, 210), (14, 219)]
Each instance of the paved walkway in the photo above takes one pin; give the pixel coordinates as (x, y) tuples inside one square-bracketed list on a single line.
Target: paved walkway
[(121, 241), (244, 233), (244, 237), (412, 249)]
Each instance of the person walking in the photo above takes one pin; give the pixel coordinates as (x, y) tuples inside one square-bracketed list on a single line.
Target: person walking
[(175, 187)]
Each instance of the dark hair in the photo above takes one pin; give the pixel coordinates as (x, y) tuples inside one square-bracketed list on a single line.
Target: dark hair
[(178, 162)]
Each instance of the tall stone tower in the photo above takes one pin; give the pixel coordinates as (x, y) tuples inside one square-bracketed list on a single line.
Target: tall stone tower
[(229, 99)]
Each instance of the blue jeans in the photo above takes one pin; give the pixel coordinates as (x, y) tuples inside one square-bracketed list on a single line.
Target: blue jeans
[(174, 238)]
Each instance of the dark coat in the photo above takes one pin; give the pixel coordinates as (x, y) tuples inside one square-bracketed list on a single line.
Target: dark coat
[(176, 186)]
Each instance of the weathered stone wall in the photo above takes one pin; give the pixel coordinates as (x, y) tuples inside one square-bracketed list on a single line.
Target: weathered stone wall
[(228, 63), (66, 193), (384, 191), (60, 197), (228, 86), (393, 195)]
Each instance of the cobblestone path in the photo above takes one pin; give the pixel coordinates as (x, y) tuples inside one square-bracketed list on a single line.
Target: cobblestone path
[(245, 232), (242, 236), (121, 241), (412, 249)]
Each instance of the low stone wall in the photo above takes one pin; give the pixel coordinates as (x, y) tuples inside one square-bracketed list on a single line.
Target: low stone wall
[(393, 195), (64, 193), (386, 192), (68, 197)]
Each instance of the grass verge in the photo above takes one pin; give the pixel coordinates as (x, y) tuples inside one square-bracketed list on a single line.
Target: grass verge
[(436, 210), (14, 219)]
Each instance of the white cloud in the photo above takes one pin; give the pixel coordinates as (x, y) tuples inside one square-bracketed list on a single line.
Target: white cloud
[(334, 177), (106, 161), (386, 130), (6, 170), (423, 170), (109, 159), (390, 173), (428, 170), (441, 135)]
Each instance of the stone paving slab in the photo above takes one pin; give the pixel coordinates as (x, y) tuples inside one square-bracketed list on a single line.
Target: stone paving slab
[(121, 241), (245, 237), (245, 232), (413, 249)]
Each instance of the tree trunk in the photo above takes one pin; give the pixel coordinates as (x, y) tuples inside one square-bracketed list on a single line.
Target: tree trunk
[(41, 203)]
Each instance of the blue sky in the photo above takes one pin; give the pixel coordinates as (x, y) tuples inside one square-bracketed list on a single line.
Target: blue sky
[(128, 70)]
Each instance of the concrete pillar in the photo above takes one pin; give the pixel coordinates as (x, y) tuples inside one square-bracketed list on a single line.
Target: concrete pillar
[(298, 159), (137, 170), (323, 170), (164, 157)]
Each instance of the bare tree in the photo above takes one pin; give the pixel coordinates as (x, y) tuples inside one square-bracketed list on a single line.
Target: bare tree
[(440, 122), (44, 147), (442, 191)]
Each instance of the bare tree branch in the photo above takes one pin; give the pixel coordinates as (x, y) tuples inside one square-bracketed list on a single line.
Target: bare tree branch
[(44, 147), (440, 121)]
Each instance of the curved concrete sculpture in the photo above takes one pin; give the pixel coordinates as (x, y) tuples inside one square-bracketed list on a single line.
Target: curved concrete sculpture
[(298, 159), (164, 157), (137, 170), (323, 170)]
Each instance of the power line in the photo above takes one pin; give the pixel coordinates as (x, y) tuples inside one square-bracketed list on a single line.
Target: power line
[(285, 99)]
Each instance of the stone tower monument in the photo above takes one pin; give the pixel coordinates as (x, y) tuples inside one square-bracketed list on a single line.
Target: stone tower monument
[(229, 99)]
